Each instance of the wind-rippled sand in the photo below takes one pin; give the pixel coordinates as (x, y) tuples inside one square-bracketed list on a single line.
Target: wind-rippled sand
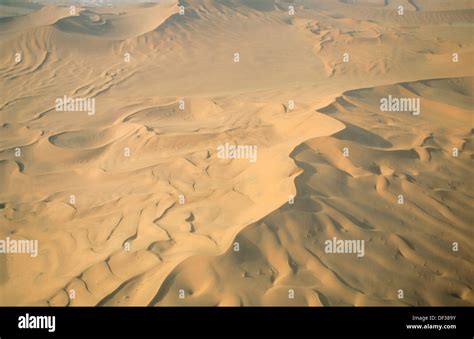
[(156, 214)]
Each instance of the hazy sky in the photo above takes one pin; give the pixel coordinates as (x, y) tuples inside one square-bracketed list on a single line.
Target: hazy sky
[(83, 1)]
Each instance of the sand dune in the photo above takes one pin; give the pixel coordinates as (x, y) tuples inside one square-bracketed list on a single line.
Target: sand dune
[(130, 23), (356, 197), (132, 204)]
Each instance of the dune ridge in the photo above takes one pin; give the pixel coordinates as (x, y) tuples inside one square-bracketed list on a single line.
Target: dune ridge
[(132, 204), (391, 154)]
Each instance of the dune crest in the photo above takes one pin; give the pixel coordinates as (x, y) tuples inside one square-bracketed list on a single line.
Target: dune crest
[(409, 245), (118, 131)]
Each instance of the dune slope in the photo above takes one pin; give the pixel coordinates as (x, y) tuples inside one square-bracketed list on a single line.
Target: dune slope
[(408, 246), (132, 204)]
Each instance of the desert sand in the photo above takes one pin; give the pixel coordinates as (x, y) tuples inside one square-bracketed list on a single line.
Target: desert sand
[(131, 204)]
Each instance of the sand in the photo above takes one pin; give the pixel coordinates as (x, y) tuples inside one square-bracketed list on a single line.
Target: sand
[(132, 205)]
